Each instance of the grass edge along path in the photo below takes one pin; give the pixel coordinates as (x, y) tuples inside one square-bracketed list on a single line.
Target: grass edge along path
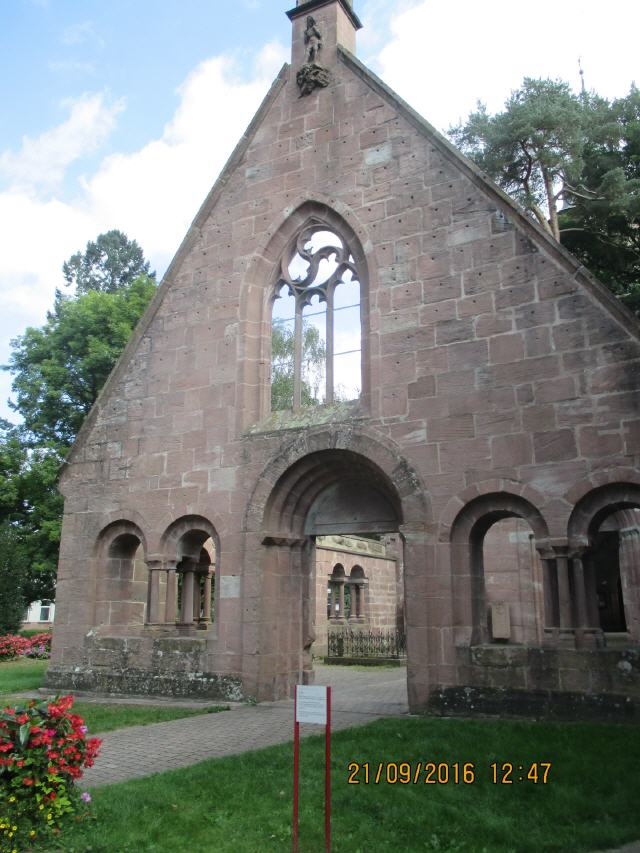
[(242, 803), (27, 675)]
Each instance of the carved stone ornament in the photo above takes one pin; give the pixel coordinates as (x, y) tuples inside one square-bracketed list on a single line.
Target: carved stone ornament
[(312, 76)]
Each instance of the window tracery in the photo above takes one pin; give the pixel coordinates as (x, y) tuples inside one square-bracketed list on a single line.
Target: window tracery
[(316, 326)]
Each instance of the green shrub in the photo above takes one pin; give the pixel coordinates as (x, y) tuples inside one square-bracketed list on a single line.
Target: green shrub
[(43, 750)]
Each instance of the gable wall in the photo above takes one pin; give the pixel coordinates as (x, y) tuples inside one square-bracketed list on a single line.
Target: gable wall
[(485, 356)]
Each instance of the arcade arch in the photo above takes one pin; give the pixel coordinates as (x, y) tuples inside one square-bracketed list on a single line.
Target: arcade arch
[(478, 537), (604, 532), (121, 575)]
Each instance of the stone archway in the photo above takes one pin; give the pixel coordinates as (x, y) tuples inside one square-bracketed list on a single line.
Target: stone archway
[(333, 485), (613, 507)]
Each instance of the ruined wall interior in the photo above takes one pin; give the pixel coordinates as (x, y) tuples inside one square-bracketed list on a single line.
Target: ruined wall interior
[(359, 586), (499, 391)]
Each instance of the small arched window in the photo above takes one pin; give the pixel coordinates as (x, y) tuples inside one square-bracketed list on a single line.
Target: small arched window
[(316, 340)]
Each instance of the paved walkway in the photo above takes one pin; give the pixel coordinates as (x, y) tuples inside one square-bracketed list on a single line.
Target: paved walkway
[(357, 697)]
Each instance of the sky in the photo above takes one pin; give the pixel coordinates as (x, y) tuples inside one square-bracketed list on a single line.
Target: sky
[(122, 114)]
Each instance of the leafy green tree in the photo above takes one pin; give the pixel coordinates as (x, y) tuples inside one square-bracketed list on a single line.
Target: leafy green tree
[(533, 149), (282, 361), (12, 601), (106, 265), (58, 371), (602, 228), (573, 163), (60, 368)]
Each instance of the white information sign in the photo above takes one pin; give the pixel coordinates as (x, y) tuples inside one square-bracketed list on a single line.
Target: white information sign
[(311, 705), (230, 586)]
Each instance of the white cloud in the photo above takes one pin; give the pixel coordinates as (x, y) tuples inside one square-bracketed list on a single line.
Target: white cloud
[(41, 162), (154, 193), (80, 33), (151, 194), (443, 60), (71, 66)]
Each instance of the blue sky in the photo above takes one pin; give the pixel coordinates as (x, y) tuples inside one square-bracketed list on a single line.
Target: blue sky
[(121, 114)]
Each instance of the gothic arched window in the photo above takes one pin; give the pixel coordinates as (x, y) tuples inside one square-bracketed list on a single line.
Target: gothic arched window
[(316, 328)]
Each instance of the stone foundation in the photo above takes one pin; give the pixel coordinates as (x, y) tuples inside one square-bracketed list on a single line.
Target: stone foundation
[(176, 666), (594, 684), (540, 704)]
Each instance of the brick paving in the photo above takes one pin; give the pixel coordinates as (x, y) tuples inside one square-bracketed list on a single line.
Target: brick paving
[(358, 698)]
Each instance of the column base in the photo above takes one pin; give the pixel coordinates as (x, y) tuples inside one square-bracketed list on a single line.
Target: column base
[(561, 637)]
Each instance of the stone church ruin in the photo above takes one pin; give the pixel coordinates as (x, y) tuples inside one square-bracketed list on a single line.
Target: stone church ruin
[(360, 336)]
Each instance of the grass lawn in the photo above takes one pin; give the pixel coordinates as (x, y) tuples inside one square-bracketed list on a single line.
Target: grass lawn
[(243, 804), (21, 674), (26, 674)]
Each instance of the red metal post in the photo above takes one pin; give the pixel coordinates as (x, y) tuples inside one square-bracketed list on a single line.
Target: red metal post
[(327, 780), (296, 767)]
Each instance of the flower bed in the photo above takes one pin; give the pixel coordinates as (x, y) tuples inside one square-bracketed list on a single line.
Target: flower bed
[(40, 646), (43, 751), (13, 646)]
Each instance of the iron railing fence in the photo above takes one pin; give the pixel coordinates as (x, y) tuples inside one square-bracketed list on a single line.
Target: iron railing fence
[(374, 643)]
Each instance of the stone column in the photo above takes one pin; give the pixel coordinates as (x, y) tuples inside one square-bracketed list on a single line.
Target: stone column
[(564, 592), (153, 601), (206, 618), (172, 594), (630, 577), (197, 598), (355, 600), (593, 614), (584, 636), (550, 620), (186, 609), (341, 594)]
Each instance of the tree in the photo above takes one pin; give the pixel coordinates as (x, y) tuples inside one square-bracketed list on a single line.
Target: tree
[(603, 228), (12, 601), (106, 265), (533, 149), (282, 361), (574, 165), (60, 368)]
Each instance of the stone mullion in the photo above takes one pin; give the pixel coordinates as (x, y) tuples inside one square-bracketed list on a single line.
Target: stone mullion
[(329, 345), (297, 357)]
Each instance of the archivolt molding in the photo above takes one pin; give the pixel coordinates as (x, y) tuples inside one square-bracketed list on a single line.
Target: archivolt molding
[(179, 527), (602, 478), (115, 524), (594, 505), (374, 449), (496, 487)]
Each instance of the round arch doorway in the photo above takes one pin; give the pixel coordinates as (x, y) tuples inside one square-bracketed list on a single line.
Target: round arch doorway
[(328, 492)]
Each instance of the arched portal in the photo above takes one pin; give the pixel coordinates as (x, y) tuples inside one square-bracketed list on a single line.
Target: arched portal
[(326, 491), (604, 531), (469, 533)]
